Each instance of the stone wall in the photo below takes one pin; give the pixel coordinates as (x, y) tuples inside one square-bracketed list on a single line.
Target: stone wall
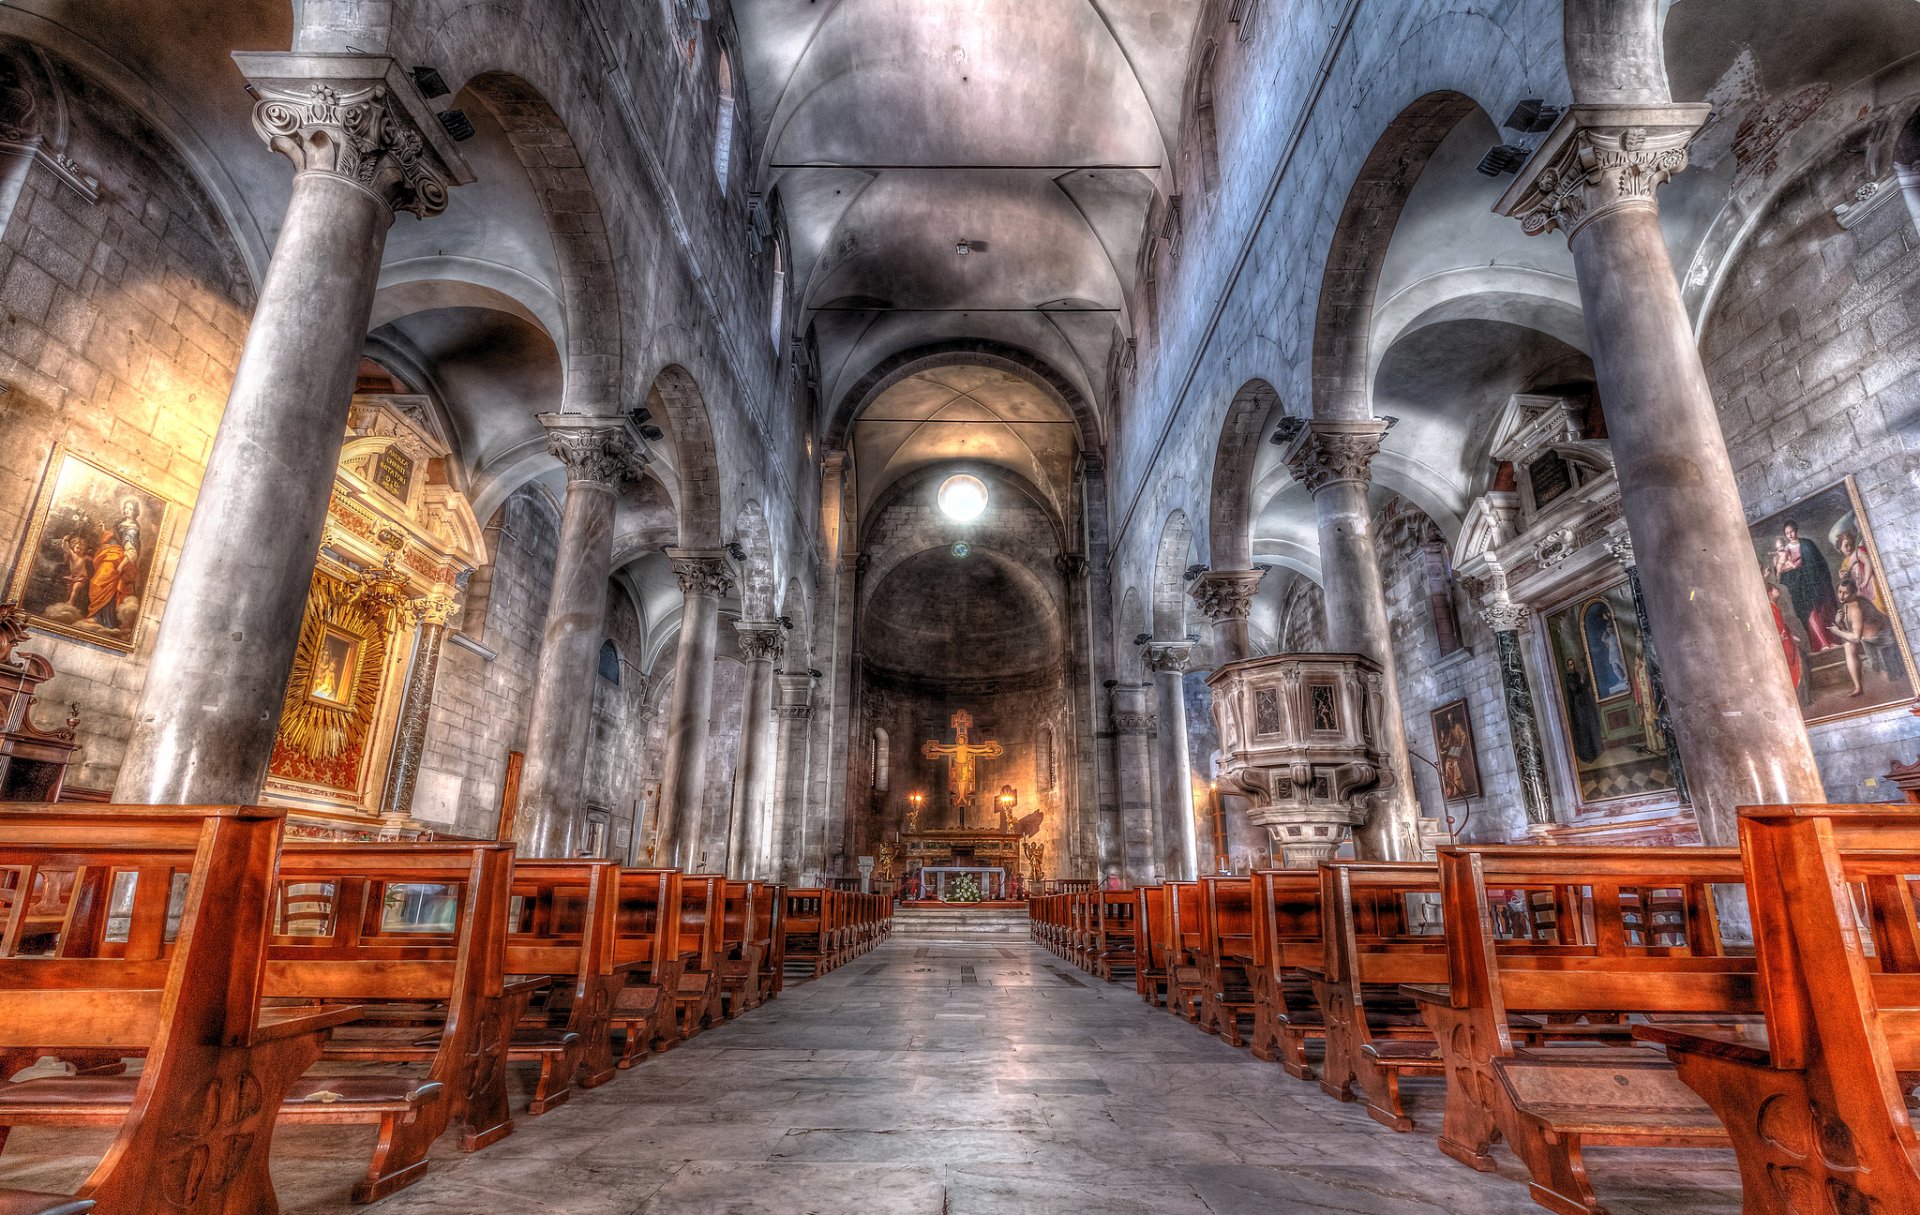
[(123, 319), (1813, 350), (616, 762), (480, 704)]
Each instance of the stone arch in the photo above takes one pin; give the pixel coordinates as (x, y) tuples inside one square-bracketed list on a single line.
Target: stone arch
[(967, 353), (683, 409), (590, 289), (756, 563), (1169, 578), (1230, 504), (1343, 325)]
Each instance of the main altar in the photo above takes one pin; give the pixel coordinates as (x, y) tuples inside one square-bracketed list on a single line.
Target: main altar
[(933, 858)]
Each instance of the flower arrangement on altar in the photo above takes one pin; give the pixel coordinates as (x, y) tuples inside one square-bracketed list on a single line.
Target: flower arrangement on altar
[(963, 889)]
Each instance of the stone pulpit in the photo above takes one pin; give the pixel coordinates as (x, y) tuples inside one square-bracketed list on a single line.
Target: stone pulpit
[(1298, 736)]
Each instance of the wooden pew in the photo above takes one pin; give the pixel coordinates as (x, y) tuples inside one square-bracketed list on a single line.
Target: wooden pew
[(1286, 940), (1186, 920), (770, 917), (808, 929), (120, 972), (1816, 1100), (1150, 943), (1373, 944), (1225, 955), (24, 1202), (562, 927), (1114, 954), (417, 934), (743, 946), (702, 921), (647, 944), (1584, 948)]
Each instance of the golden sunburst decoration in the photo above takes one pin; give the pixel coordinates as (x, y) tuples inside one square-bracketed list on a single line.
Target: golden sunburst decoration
[(309, 725)]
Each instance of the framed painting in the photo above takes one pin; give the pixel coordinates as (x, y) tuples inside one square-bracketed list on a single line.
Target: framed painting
[(91, 545), (1835, 615), (1453, 747), (1615, 747)]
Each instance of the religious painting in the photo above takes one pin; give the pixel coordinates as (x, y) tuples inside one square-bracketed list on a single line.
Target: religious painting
[(327, 721), (1838, 626), (335, 668), (1453, 747), (1615, 746), (92, 542)]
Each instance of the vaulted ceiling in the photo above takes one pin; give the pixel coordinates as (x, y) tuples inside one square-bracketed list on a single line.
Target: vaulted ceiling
[(1033, 132)]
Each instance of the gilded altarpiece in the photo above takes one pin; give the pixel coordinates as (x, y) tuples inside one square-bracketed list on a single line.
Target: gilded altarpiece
[(399, 547)]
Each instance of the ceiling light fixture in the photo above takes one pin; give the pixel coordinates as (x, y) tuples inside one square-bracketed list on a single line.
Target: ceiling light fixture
[(963, 497)]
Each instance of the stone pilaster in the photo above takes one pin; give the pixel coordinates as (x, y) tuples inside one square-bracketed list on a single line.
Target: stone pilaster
[(793, 715), (416, 705), (364, 145), (705, 577), (761, 645), (1134, 727), (1333, 458), (1508, 619), (1620, 548), (1730, 698), (1225, 598), (599, 454), (1173, 785)]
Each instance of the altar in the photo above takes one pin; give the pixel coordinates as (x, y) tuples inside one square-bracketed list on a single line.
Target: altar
[(993, 881)]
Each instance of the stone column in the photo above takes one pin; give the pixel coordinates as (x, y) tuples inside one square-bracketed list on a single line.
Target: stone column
[(1179, 845), (1225, 597), (416, 706), (1620, 547), (599, 454), (705, 578), (760, 647), (364, 146), (1507, 618), (1332, 459), (1731, 700), (1133, 728), (793, 710)]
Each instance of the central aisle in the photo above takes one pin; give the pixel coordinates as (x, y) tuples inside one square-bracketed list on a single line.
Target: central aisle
[(982, 1076)]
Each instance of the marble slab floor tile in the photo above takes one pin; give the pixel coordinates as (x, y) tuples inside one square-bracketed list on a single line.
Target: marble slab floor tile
[(893, 1087)]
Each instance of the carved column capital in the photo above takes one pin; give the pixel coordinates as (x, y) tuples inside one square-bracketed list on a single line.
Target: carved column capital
[(434, 610), (1132, 713), (1226, 594), (1505, 616), (598, 451), (1169, 656), (359, 118), (702, 571), (1620, 548), (760, 640), (1600, 159), (1136, 723), (1327, 452)]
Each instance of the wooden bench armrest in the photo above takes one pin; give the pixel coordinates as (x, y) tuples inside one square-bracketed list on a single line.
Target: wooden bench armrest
[(20, 1202), (276, 1024), (1427, 993), (515, 985), (1739, 1043)]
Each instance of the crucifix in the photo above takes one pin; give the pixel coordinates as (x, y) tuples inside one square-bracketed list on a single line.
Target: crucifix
[(961, 753)]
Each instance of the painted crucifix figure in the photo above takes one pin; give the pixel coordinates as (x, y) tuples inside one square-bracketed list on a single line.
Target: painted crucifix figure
[(961, 754)]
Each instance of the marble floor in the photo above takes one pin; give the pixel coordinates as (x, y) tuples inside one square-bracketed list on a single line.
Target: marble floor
[(947, 1077)]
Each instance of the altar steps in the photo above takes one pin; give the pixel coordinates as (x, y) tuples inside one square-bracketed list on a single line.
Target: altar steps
[(959, 923)]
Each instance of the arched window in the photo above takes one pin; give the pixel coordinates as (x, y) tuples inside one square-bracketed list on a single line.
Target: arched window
[(779, 294), (881, 760), (723, 133), (610, 662)]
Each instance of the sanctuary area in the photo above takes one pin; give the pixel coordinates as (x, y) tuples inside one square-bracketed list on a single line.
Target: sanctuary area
[(959, 607)]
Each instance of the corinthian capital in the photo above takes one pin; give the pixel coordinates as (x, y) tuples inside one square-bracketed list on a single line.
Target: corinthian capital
[(1506, 616), (760, 641), (1171, 656), (598, 450), (1226, 594), (1328, 451), (1600, 159), (357, 117), (702, 571)]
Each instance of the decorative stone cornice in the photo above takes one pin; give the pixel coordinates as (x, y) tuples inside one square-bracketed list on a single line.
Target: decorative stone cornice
[(597, 451), (760, 640), (1136, 723), (1600, 159), (1226, 594), (359, 118), (702, 571), (1327, 452), (1169, 656)]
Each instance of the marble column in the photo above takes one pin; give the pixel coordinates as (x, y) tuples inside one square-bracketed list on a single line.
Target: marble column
[(1179, 845), (792, 711), (416, 706), (1731, 700), (1134, 726), (1507, 619), (364, 146), (760, 647), (1333, 458), (598, 454), (1225, 597), (1620, 547), (705, 578)]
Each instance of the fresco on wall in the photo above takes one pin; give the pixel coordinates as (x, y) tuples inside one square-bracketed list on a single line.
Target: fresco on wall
[(91, 544), (1835, 614), (1601, 685)]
